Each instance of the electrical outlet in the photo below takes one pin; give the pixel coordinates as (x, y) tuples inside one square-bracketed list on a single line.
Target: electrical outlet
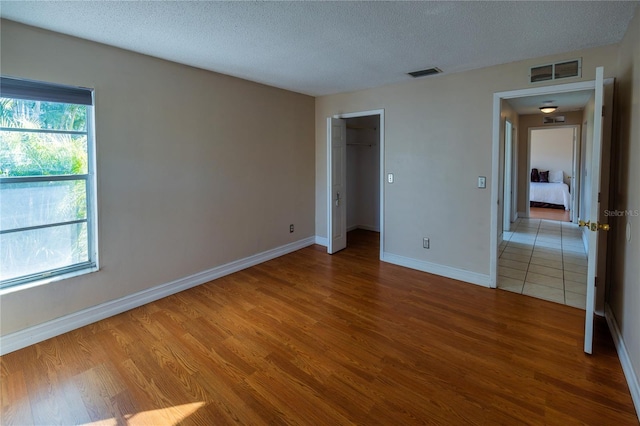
[(291, 228), (425, 243)]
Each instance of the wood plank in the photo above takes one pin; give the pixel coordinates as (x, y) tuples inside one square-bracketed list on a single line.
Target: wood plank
[(310, 338), (16, 405)]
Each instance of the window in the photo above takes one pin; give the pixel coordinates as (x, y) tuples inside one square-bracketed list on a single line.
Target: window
[(47, 181)]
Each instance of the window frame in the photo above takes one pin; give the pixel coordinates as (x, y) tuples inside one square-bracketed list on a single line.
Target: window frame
[(91, 193), (553, 76)]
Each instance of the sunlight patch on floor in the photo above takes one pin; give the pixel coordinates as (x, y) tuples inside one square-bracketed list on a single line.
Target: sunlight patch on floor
[(168, 415)]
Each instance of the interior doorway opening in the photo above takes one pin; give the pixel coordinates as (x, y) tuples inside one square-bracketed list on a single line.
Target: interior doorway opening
[(597, 119), (541, 254), (355, 159), (553, 162), (363, 173)]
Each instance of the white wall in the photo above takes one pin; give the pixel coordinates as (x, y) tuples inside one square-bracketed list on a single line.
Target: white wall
[(363, 173), (438, 140), (195, 169), (552, 150)]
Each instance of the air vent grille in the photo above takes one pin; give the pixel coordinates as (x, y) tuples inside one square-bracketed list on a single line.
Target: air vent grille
[(555, 71), (553, 120), (423, 73)]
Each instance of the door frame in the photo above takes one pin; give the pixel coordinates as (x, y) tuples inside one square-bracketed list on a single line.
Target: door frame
[(495, 162), (380, 113), (576, 128), (508, 181), (514, 169), (576, 173)]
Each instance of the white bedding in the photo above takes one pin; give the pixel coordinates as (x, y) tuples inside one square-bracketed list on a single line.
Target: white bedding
[(552, 193)]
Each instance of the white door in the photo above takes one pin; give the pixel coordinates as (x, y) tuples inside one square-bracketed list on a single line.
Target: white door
[(337, 184), (593, 210)]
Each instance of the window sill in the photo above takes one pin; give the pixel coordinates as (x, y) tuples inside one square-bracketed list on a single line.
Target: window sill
[(45, 281)]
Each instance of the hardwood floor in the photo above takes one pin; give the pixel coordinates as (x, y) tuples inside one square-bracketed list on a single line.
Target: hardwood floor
[(549, 214), (313, 339)]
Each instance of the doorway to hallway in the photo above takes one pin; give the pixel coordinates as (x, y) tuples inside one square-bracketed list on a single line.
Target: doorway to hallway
[(544, 259)]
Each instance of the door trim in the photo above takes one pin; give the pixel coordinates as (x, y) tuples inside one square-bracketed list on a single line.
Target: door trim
[(379, 112)]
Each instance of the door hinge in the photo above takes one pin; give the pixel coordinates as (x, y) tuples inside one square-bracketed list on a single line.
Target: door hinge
[(595, 282), (598, 197), (603, 110)]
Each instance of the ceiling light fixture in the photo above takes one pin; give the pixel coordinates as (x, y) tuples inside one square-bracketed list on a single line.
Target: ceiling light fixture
[(548, 107)]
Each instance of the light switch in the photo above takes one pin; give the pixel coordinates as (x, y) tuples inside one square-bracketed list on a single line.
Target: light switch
[(390, 178), (482, 182)]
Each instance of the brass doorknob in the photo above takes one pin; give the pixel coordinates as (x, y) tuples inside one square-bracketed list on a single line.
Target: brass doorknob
[(604, 226), (583, 223)]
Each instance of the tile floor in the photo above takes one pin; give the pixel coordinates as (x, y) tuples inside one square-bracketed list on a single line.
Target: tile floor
[(544, 259)]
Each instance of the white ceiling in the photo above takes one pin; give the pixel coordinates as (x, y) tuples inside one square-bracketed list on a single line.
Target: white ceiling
[(570, 101), (320, 48)]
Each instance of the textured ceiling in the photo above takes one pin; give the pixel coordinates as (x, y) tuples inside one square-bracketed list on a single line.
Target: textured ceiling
[(320, 48)]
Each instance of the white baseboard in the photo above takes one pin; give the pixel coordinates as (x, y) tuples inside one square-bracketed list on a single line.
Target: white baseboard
[(625, 361), (437, 269), (321, 241), (38, 333)]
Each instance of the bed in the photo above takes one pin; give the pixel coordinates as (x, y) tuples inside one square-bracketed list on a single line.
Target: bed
[(547, 189), (549, 194)]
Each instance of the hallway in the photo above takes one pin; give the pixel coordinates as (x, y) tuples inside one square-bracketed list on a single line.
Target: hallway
[(544, 259)]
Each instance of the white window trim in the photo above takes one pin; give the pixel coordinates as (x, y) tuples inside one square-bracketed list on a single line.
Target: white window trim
[(92, 265)]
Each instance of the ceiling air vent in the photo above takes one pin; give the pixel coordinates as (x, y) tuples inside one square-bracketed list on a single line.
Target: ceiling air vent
[(558, 70), (422, 73)]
